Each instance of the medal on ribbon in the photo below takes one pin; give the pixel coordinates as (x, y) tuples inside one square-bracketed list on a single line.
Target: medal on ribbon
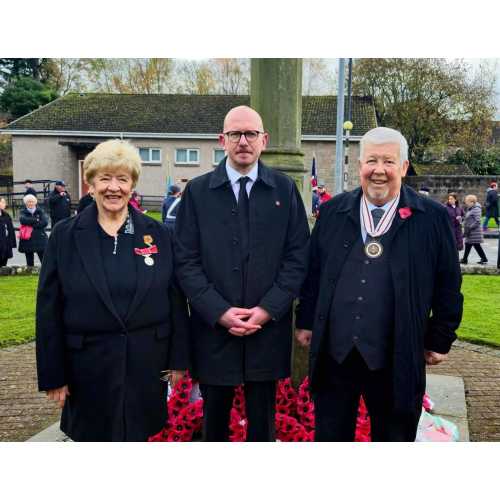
[(373, 247), (148, 251)]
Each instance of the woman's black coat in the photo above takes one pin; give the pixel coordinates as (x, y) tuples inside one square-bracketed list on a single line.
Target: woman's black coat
[(7, 236), (112, 365), (38, 220)]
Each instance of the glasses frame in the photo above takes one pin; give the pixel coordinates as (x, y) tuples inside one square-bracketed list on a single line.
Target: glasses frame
[(258, 132)]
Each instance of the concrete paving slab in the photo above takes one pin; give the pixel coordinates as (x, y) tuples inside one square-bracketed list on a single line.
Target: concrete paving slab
[(52, 434)]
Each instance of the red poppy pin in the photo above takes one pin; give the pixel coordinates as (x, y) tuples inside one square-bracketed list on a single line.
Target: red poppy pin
[(405, 212)]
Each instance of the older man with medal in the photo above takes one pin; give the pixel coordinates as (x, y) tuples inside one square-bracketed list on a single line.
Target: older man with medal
[(381, 299)]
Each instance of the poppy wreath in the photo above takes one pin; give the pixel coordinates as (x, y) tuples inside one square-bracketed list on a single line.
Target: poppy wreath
[(294, 415)]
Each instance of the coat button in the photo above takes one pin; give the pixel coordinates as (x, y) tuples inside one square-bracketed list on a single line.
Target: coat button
[(346, 244), (321, 317), (235, 269), (360, 298), (363, 281), (234, 211), (357, 316), (235, 241), (355, 337), (367, 261)]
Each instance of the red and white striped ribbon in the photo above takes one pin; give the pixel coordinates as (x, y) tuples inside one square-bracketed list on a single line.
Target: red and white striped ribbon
[(385, 222)]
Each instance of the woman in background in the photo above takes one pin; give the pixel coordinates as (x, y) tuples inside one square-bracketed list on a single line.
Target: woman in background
[(33, 216), (7, 234), (456, 215), (472, 229)]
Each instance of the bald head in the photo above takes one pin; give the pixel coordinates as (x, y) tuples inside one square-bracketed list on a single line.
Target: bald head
[(242, 114)]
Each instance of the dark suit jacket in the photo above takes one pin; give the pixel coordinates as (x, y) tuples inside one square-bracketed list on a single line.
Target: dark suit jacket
[(425, 275), (111, 364), (208, 266)]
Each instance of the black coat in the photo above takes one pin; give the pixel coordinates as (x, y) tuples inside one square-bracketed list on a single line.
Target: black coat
[(38, 220), (425, 276), (112, 365), (7, 236), (59, 206), (208, 266)]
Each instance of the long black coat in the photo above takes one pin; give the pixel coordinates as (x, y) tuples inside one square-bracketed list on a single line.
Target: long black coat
[(425, 275), (111, 365), (209, 270), (38, 220), (7, 236), (59, 206)]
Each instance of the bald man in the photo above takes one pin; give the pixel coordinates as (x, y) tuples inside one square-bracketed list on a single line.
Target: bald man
[(241, 256)]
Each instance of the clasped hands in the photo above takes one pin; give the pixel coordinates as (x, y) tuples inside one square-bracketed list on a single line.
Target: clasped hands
[(240, 321)]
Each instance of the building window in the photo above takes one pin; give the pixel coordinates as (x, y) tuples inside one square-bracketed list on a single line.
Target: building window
[(187, 156), (150, 155), (218, 155)]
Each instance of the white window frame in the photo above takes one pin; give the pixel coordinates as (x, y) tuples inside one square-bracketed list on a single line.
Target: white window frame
[(214, 161), (187, 162), (150, 161)]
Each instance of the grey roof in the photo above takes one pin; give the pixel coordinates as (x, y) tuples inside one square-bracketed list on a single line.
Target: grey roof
[(175, 113)]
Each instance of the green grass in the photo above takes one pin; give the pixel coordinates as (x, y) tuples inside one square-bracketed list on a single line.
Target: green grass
[(480, 322), (17, 309), (154, 215)]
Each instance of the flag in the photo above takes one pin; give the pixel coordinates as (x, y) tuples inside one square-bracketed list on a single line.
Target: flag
[(314, 176)]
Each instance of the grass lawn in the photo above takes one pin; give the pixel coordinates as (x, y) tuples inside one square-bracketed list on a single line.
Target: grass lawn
[(480, 324), (481, 320), (157, 215), (17, 309), (491, 223)]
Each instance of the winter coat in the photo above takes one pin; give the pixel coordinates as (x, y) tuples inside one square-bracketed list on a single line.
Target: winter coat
[(111, 364), (473, 231), (208, 265), (59, 206), (425, 275), (491, 203), (7, 236), (456, 224), (38, 220)]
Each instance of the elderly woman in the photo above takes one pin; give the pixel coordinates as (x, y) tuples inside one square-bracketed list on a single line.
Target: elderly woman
[(110, 320), (34, 217), (7, 234), (472, 229)]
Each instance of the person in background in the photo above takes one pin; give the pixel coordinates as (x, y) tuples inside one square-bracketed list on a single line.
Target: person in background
[(424, 191), (136, 202), (33, 216), (109, 317), (84, 202), (315, 202), (472, 229), (59, 203), (28, 184), (456, 214), (7, 234), (491, 205), (323, 194), (170, 206)]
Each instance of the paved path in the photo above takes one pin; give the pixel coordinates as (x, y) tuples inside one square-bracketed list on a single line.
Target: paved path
[(24, 412)]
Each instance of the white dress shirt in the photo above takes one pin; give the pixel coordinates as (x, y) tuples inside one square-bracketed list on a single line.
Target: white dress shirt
[(371, 206), (234, 177)]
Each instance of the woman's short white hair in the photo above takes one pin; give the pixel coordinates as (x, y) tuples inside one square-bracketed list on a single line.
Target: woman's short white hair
[(385, 135), (29, 197)]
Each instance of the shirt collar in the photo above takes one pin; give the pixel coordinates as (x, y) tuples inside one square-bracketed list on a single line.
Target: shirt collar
[(234, 176), (385, 207)]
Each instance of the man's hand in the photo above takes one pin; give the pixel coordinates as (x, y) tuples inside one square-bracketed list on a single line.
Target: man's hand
[(232, 319), (258, 316), (303, 337), (58, 395), (173, 376), (433, 358)]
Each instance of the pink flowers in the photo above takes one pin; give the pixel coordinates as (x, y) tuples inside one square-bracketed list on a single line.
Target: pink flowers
[(405, 212)]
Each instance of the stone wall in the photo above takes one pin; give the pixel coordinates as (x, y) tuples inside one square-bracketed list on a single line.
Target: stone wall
[(441, 185)]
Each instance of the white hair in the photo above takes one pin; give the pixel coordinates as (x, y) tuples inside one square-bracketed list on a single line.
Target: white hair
[(384, 135), (29, 197)]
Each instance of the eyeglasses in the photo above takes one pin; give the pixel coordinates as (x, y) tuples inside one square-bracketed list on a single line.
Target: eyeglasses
[(250, 135)]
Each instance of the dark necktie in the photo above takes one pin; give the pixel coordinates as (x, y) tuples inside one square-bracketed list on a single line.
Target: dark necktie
[(377, 214), (244, 219)]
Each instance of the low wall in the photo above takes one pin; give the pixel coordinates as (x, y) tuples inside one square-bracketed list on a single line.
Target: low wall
[(441, 185)]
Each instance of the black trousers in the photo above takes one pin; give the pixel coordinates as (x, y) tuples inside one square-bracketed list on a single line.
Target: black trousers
[(336, 403), (30, 258), (260, 401), (3, 261), (479, 250)]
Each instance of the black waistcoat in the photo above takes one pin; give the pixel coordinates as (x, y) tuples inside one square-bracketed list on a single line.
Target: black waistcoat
[(362, 309)]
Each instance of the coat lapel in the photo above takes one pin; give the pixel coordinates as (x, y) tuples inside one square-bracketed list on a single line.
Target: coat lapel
[(88, 247), (145, 273)]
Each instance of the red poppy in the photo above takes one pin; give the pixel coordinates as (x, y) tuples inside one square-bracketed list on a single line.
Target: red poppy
[(405, 212)]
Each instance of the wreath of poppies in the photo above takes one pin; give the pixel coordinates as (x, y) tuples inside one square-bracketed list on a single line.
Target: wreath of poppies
[(294, 414)]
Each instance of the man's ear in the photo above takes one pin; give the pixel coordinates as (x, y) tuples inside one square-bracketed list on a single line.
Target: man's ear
[(404, 168)]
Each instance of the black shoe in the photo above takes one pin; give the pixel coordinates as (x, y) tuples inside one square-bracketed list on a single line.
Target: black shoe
[(463, 261), (483, 262)]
